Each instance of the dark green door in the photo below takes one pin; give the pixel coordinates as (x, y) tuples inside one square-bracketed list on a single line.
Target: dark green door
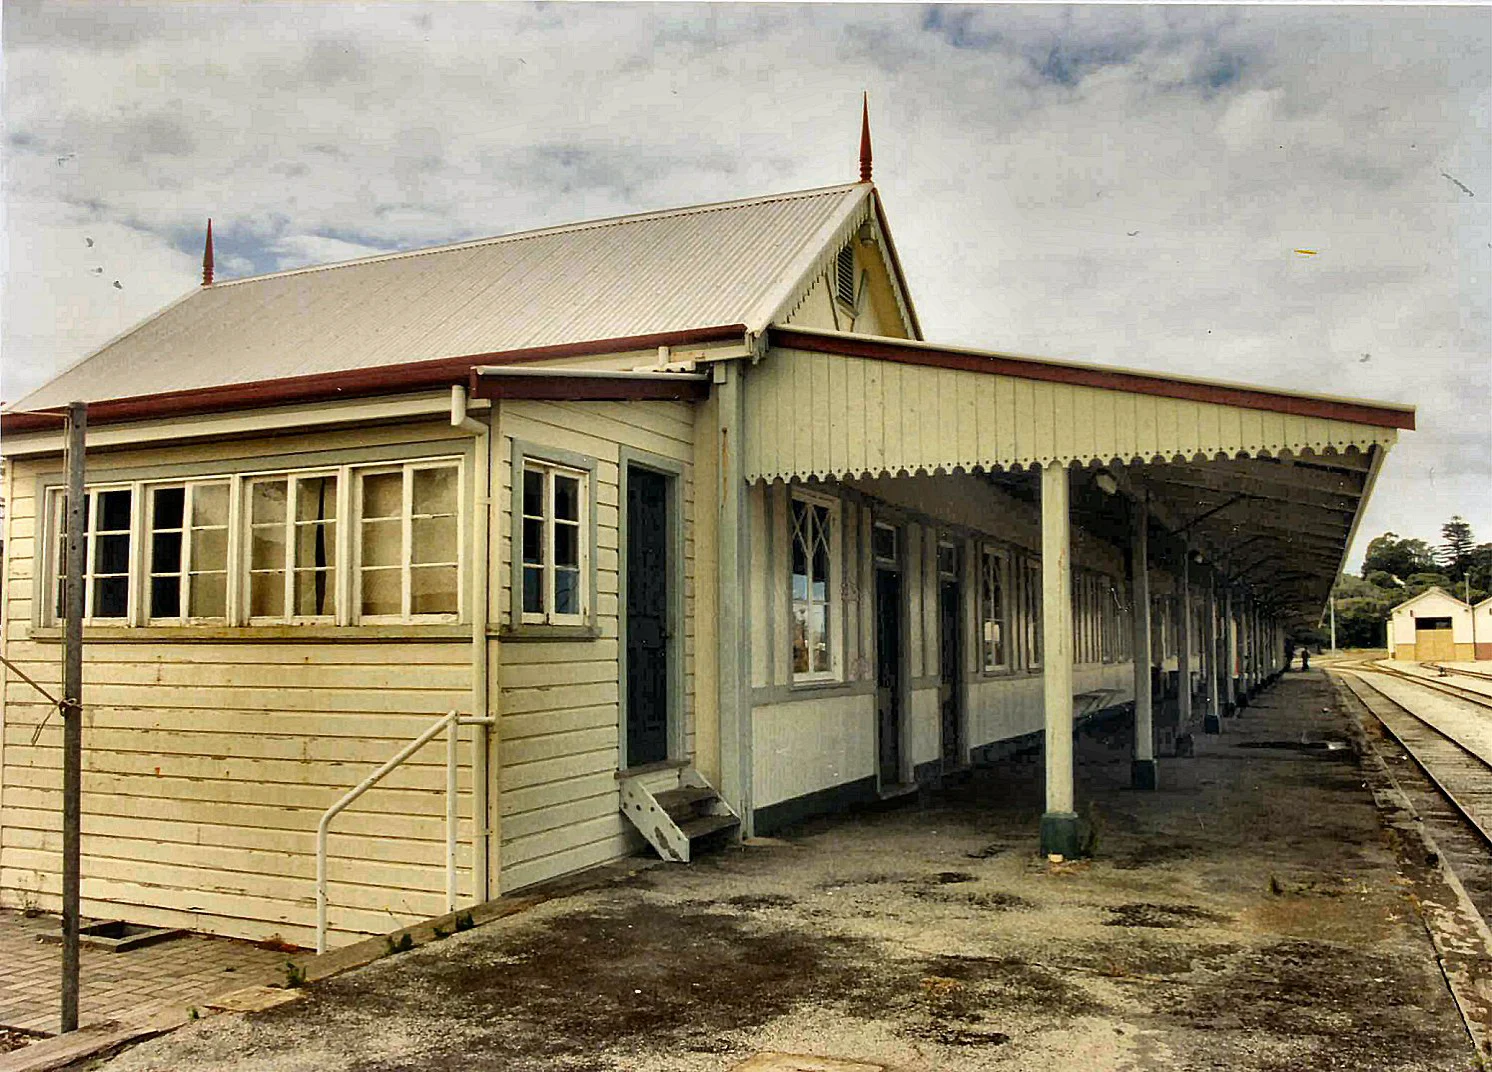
[(648, 578)]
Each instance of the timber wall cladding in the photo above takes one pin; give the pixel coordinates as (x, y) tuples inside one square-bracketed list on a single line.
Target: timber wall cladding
[(559, 714), (811, 741), (208, 764)]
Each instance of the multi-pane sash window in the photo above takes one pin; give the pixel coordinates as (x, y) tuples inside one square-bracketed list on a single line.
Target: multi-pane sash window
[(992, 585), (293, 547), (814, 572), (188, 526), (552, 538), (409, 543), (108, 514)]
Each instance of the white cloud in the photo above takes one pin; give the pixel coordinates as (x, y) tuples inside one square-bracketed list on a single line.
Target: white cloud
[(1017, 149)]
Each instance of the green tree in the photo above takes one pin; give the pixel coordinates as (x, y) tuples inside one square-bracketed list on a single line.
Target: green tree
[(1456, 546), (1402, 558)]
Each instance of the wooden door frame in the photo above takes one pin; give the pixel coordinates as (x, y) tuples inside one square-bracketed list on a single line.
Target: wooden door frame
[(673, 473), (958, 577), (898, 565)]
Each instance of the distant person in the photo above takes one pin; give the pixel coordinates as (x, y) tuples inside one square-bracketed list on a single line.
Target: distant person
[(1305, 658)]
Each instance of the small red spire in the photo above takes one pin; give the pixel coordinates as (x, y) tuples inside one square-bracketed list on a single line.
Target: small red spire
[(865, 138), (207, 257)]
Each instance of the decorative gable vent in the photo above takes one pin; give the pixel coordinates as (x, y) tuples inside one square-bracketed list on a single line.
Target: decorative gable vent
[(844, 276)]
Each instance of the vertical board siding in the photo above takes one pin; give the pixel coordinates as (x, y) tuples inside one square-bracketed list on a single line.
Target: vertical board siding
[(207, 765), (559, 722), (918, 419)]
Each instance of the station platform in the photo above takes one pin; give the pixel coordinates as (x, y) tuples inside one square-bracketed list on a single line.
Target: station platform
[(1254, 912)]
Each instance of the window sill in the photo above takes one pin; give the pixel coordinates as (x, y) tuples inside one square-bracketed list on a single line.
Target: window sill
[(190, 634), (549, 632), (819, 685)]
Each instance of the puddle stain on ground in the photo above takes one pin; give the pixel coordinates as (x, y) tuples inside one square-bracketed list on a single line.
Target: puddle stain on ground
[(1338, 1008), (655, 978), (1159, 916)]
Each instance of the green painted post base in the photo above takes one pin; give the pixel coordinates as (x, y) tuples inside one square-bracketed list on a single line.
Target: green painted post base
[(1060, 834), (1144, 774), (1212, 724)]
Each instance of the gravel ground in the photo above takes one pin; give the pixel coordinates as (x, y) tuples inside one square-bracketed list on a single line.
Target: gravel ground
[(1250, 915)]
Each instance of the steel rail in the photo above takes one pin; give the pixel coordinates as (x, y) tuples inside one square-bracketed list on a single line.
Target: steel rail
[(1419, 760), (1460, 692)]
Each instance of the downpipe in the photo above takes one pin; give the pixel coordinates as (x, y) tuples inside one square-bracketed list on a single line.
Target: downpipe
[(481, 433)]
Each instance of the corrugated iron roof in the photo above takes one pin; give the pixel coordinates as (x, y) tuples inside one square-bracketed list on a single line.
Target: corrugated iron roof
[(727, 263)]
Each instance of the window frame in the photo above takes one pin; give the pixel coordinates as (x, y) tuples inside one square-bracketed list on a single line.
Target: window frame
[(56, 496), (833, 593), (338, 568), (407, 565), (528, 623), (1001, 557), (1031, 598), (184, 572)]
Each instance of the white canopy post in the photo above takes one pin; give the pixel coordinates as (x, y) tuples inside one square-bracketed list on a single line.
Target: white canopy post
[(1184, 657), (1059, 826), (1212, 721), (1143, 768)]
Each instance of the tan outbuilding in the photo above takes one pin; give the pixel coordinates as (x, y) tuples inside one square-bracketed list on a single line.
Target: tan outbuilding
[(679, 514), (1434, 626)]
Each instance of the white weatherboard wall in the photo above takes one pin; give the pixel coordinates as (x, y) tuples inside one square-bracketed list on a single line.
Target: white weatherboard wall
[(558, 724), (811, 739), (207, 763)]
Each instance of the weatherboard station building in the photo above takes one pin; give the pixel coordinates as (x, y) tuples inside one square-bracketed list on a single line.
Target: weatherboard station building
[(655, 528)]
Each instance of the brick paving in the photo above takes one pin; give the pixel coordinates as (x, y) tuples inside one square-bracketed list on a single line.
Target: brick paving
[(189, 970)]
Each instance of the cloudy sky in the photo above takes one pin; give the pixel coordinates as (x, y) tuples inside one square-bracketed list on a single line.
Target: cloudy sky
[(1124, 185)]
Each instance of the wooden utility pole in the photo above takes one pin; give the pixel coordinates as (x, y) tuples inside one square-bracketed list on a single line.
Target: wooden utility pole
[(72, 709)]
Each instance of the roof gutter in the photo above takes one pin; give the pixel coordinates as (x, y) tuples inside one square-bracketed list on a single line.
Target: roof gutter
[(352, 383)]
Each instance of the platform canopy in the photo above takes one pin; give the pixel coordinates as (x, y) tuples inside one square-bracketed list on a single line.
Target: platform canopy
[(1269, 485)]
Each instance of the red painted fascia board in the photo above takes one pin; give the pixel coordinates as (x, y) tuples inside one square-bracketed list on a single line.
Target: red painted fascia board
[(353, 383), (1135, 383)]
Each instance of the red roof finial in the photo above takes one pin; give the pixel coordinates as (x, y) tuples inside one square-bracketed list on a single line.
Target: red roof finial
[(865, 138), (207, 257)]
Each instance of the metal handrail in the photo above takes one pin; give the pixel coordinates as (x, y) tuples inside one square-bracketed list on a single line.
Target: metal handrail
[(452, 720)]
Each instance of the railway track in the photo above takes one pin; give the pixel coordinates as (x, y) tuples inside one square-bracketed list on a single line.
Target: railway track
[(1462, 776), (1448, 782)]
